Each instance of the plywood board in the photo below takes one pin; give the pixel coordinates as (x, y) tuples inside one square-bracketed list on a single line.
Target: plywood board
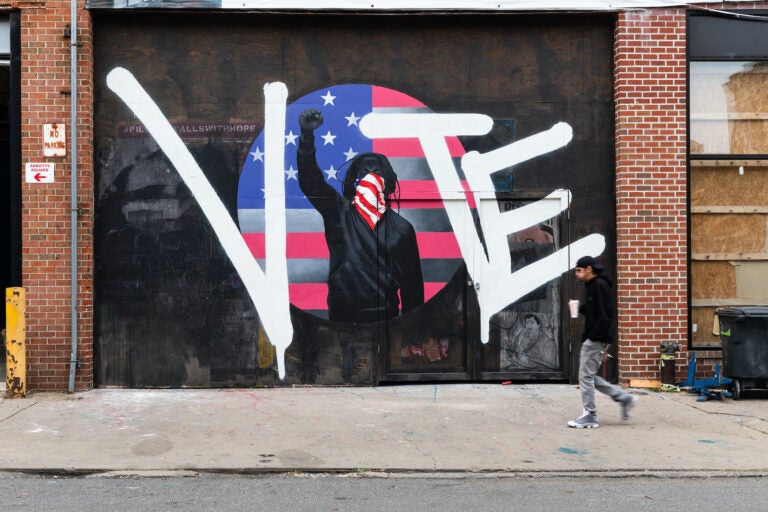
[(704, 319), (729, 162), (729, 209), (729, 256), (728, 233), (744, 136), (711, 186), (644, 383), (745, 93), (712, 279), (749, 136), (752, 280), (726, 303), (726, 111)]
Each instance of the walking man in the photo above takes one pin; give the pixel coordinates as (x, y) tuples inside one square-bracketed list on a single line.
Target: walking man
[(598, 312)]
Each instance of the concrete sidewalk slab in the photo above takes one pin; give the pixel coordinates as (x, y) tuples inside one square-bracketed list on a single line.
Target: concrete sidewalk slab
[(443, 427)]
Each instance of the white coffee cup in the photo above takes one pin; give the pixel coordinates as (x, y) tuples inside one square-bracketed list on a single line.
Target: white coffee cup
[(573, 305)]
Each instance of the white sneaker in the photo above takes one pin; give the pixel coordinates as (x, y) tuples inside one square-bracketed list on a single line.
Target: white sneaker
[(586, 420)]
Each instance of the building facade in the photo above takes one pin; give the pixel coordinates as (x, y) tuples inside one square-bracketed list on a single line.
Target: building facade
[(216, 246)]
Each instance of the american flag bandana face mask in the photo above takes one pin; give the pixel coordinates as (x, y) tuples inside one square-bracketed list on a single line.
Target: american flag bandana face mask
[(369, 199)]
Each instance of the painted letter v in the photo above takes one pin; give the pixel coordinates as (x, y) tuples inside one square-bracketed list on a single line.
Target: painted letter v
[(268, 289)]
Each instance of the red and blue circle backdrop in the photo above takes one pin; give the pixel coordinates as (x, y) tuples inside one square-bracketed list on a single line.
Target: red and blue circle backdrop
[(337, 141)]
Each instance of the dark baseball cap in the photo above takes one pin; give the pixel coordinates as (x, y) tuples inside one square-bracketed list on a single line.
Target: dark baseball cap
[(589, 261)]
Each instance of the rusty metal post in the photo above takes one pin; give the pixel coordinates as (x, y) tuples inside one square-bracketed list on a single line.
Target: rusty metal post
[(15, 343)]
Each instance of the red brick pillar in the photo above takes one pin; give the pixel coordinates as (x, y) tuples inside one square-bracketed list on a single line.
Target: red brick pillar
[(46, 209), (651, 221)]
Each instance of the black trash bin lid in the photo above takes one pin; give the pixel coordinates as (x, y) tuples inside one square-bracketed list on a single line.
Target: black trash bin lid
[(744, 312)]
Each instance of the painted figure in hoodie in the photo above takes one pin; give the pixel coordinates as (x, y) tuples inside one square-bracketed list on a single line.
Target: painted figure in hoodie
[(374, 258)]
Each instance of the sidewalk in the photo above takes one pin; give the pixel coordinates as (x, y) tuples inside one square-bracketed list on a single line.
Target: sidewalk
[(420, 428)]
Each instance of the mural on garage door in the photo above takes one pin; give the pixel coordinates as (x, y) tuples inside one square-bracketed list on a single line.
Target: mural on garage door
[(366, 242)]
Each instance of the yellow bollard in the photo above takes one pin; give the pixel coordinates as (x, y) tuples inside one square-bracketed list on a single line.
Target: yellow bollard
[(15, 343)]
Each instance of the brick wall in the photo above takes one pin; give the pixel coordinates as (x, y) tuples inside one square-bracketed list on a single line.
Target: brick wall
[(651, 223), (46, 221)]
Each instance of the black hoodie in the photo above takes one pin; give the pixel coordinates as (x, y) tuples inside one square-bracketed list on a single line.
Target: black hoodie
[(370, 270), (598, 310)]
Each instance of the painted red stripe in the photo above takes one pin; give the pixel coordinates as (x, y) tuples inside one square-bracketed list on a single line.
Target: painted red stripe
[(431, 289), (297, 245), (381, 97), (411, 148), (314, 295), (419, 204), (425, 194), (437, 245), (308, 295), (312, 245), (423, 189), (418, 189), (468, 194)]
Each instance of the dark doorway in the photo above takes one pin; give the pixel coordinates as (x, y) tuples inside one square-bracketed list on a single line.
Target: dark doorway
[(10, 186), (5, 184)]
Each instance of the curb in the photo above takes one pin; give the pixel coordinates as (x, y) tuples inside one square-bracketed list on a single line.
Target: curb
[(364, 473)]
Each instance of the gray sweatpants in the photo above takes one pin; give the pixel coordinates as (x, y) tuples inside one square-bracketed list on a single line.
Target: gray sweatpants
[(590, 359)]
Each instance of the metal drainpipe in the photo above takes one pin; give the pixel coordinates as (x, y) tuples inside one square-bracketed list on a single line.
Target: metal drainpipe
[(73, 194)]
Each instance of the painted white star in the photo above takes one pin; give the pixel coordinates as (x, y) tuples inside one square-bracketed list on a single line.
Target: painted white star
[(350, 154), (328, 99), (331, 173), (290, 138), (328, 138), (257, 155), (352, 119), (291, 174)]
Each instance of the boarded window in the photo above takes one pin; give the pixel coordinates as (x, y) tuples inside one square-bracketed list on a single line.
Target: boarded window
[(728, 156)]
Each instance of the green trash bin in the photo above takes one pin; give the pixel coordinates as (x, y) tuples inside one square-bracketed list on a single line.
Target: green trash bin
[(744, 334)]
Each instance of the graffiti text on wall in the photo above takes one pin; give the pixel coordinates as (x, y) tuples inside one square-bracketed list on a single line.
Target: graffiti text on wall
[(496, 286)]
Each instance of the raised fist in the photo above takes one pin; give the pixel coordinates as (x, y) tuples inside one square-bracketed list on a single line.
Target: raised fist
[(310, 119)]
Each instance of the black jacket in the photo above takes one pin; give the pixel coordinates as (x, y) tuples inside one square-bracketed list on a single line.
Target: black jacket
[(598, 310), (370, 270)]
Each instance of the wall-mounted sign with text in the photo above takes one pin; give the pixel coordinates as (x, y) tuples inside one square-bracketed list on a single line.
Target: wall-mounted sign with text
[(54, 139), (39, 172)]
